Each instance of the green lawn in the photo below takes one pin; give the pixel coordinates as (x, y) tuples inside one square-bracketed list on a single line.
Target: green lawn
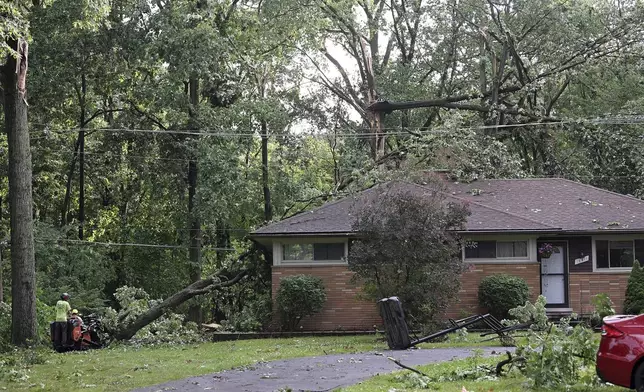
[(122, 368), (443, 376)]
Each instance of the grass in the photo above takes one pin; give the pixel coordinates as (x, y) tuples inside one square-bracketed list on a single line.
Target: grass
[(444, 374), (122, 368)]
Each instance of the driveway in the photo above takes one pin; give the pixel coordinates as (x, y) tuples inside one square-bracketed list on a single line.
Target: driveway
[(324, 373)]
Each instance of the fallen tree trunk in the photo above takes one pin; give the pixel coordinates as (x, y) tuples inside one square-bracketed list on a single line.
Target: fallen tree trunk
[(202, 286)]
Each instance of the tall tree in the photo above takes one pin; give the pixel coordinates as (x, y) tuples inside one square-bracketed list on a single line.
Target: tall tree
[(14, 90), (518, 60)]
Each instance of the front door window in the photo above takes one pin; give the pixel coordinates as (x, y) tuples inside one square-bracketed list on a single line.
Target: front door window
[(553, 277)]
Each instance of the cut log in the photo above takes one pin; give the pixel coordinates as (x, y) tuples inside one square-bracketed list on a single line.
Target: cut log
[(396, 328)]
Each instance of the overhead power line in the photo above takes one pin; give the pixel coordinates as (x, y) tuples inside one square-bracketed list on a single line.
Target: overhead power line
[(109, 244), (615, 120)]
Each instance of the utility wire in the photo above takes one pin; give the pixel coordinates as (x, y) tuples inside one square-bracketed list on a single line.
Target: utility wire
[(623, 120), (108, 244)]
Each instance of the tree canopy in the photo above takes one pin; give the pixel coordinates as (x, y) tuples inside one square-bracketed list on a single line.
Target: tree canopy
[(163, 131)]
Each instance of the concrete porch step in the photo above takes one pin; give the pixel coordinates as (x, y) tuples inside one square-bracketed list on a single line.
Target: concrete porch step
[(557, 313)]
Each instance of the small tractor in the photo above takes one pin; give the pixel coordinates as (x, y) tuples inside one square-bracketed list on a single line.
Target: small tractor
[(79, 335)]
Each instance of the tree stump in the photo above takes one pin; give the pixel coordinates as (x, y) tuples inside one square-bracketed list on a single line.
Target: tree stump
[(396, 329)]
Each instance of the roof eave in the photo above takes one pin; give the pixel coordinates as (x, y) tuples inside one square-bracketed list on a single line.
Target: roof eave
[(299, 234), (509, 231)]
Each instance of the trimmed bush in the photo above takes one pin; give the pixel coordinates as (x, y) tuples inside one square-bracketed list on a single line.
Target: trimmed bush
[(500, 293), (634, 300), (299, 296)]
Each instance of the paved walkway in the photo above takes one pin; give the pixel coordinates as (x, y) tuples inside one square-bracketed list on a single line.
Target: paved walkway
[(324, 373)]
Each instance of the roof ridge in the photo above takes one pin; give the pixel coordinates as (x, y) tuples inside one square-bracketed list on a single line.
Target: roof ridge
[(600, 189), (488, 207)]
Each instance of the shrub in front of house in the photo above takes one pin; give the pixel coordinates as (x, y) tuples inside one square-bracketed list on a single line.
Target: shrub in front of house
[(299, 296), (634, 299), (410, 249), (500, 293)]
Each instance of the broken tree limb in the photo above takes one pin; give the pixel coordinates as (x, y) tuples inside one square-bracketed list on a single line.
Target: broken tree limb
[(202, 286), (510, 361), (397, 362)]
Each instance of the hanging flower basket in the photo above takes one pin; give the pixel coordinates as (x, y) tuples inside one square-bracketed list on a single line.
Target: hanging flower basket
[(546, 250)]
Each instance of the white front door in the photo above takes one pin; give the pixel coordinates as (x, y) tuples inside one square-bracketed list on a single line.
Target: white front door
[(553, 277)]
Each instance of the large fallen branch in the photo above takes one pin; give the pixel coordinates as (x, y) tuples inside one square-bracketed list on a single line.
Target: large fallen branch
[(203, 286)]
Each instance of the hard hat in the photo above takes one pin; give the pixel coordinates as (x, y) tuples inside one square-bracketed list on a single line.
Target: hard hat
[(64, 296), (75, 311)]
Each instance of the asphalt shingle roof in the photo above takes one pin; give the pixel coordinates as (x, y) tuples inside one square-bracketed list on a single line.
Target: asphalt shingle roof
[(528, 205), (570, 205)]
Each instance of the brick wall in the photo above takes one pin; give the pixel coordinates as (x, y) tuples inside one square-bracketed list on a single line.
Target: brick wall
[(342, 310), (468, 302), (583, 286)]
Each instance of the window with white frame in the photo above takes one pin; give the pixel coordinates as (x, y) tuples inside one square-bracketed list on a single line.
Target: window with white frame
[(319, 251), (496, 249), (618, 253)]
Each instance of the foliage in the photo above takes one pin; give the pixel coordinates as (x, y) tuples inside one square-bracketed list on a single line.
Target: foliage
[(634, 298), (500, 293), (407, 248), (471, 369), (45, 315), (170, 328), (547, 249), (116, 67), (253, 317), (5, 326), (14, 25), (603, 307), (82, 272), (556, 354), (297, 297), (534, 314)]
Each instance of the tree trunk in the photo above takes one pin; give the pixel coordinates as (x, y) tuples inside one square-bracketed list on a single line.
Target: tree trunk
[(194, 313), (268, 208), (81, 161), (68, 187), (1, 275), (23, 268), (396, 328), (202, 286), (1, 260)]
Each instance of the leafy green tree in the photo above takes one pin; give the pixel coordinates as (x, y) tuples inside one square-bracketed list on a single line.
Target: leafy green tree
[(407, 248), (634, 298)]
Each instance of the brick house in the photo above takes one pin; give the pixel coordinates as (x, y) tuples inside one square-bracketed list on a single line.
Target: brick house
[(597, 235)]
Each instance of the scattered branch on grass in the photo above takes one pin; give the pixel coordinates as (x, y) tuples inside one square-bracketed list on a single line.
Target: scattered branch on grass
[(397, 362), (519, 361)]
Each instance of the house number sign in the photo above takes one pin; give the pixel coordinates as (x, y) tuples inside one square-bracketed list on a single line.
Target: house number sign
[(582, 260)]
